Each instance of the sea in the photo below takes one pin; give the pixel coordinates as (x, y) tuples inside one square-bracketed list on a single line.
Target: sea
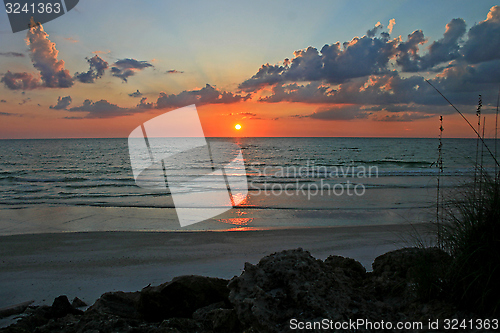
[(75, 185)]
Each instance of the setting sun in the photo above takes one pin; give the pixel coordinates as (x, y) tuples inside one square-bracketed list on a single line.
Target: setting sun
[(237, 126)]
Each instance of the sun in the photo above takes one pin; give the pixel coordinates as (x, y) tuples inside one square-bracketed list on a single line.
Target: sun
[(237, 126)]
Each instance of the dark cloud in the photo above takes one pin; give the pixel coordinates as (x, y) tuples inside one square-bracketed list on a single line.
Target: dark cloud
[(206, 95), (335, 63), (442, 50), (374, 31), (3, 101), (408, 56), (143, 105), (12, 54), (403, 117), (340, 113), (484, 39), (96, 70), (135, 94), (174, 71), (101, 109), (105, 109), (366, 86), (62, 103), (20, 81), (125, 68)]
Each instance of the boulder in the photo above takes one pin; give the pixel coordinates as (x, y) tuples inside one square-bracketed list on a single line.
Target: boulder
[(121, 304), (61, 307), (78, 303), (411, 273), (217, 318), (181, 297), (292, 284)]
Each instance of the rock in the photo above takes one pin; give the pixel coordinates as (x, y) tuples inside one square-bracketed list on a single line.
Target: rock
[(411, 273), (78, 303), (217, 318), (179, 325), (61, 307), (118, 303), (181, 297), (293, 284)]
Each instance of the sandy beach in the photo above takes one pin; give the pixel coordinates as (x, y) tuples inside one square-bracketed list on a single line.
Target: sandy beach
[(43, 266)]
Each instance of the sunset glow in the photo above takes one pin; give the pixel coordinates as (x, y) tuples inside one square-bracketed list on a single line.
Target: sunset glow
[(340, 75)]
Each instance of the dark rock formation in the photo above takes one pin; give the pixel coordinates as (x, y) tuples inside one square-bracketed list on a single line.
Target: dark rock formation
[(293, 284), (405, 285), (181, 297)]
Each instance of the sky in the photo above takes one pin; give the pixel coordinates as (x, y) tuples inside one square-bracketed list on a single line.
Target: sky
[(277, 68)]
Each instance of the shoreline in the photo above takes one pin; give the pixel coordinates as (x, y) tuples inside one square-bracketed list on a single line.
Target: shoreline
[(41, 267)]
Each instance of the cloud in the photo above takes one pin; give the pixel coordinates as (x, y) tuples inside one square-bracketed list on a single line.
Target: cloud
[(96, 70), (174, 71), (442, 50), (71, 40), (3, 101), (43, 54), (340, 113), (392, 23), (335, 63), (135, 94), (101, 109), (408, 56), (62, 103), (20, 81), (125, 68), (12, 54), (105, 109), (206, 95), (483, 43), (403, 117), (380, 78)]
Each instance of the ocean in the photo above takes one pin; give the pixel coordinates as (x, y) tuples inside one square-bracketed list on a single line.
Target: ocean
[(71, 185)]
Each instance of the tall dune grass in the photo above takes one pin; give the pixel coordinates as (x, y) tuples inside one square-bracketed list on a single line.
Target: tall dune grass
[(468, 228)]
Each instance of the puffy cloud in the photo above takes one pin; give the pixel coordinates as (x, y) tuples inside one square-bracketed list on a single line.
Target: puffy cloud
[(442, 50), (62, 103), (408, 56), (356, 80), (125, 68), (206, 95), (12, 54), (44, 57), (96, 70), (335, 63), (20, 81), (374, 31), (135, 94), (392, 23), (101, 109), (484, 39)]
